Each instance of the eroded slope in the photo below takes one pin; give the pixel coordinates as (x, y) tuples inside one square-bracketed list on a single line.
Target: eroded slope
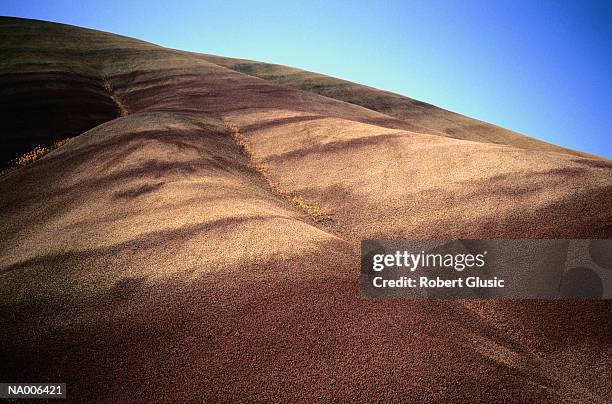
[(425, 117)]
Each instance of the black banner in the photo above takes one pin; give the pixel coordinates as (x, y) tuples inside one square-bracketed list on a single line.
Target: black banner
[(487, 269)]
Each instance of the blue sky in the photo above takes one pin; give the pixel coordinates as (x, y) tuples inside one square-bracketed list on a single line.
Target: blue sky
[(542, 68)]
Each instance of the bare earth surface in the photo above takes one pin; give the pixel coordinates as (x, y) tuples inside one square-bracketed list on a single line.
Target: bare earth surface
[(158, 256)]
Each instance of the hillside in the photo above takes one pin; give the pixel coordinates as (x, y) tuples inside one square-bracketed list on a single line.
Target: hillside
[(199, 238), (426, 117)]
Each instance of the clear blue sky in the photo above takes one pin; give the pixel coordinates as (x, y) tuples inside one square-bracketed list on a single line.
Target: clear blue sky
[(543, 68)]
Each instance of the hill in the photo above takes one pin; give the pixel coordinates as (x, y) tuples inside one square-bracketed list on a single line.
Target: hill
[(199, 238), (425, 117)]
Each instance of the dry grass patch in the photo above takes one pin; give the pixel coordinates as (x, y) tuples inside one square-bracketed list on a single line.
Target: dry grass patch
[(35, 154), (313, 210), (31, 156), (108, 86), (38, 152)]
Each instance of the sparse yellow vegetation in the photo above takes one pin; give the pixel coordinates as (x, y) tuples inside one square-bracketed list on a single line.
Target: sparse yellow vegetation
[(310, 208), (108, 86), (35, 154), (31, 156), (38, 152), (240, 140)]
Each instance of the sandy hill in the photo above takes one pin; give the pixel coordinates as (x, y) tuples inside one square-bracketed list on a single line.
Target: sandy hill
[(199, 238), (425, 117)]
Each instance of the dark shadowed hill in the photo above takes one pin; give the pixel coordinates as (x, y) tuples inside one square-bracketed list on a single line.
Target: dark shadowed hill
[(199, 239)]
